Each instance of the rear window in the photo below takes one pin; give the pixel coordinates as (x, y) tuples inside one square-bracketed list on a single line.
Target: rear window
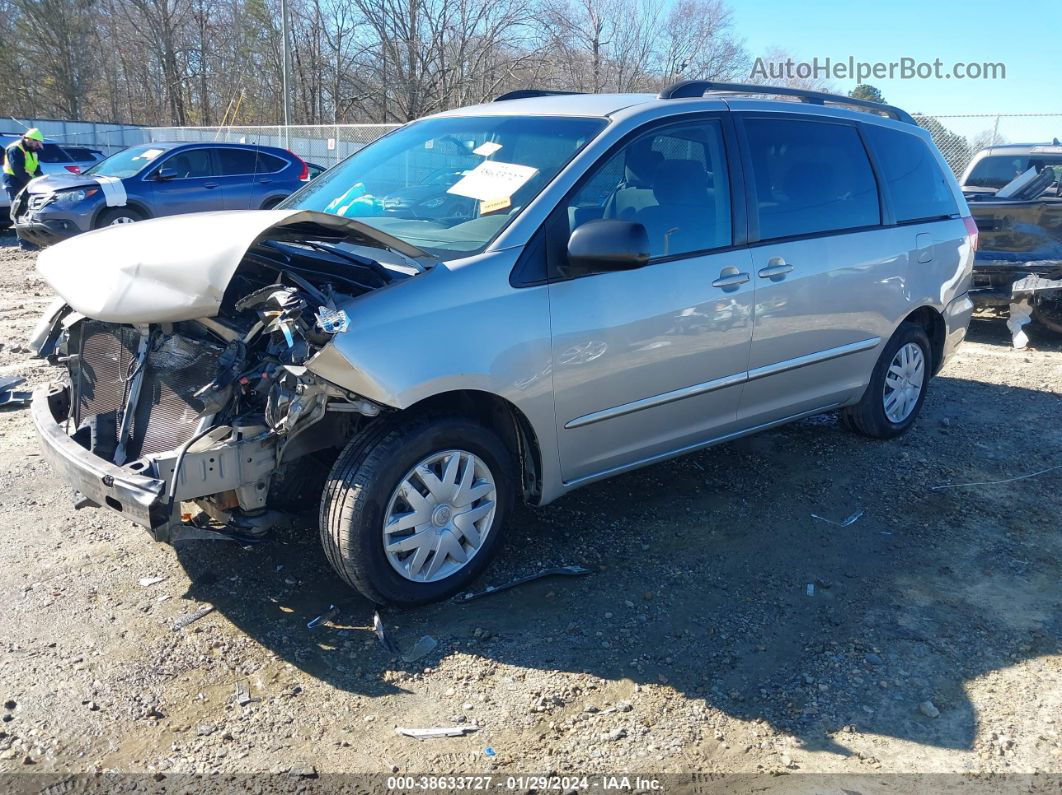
[(918, 188), (810, 177), (52, 153), (996, 171)]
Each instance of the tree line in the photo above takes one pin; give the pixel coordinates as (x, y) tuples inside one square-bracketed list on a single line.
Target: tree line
[(211, 62)]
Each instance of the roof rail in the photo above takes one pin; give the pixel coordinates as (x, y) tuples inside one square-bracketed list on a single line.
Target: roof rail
[(526, 93), (686, 89)]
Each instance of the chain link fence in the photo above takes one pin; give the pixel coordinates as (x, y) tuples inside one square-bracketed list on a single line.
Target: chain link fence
[(960, 136)]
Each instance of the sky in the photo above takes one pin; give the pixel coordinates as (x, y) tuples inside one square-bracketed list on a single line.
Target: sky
[(1025, 35)]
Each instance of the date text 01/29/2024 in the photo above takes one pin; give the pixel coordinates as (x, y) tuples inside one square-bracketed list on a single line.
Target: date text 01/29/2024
[(522, 783)]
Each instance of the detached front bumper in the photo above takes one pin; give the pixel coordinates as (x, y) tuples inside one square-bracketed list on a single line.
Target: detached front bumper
[(138, 498)]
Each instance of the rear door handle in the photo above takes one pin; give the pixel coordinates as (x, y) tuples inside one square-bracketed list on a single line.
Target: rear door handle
[(776, 269), (210, 184), (730, 277)]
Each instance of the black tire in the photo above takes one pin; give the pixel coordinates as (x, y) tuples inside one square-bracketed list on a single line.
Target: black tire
[(1047, 316), (114, 215), (868, 417), (269, 204), (360, 486)]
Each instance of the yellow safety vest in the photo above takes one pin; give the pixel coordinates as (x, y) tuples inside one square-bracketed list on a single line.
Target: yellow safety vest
[(31, 161)]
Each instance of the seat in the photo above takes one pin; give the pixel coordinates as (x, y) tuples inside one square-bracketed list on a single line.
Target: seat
[(684, 213), (639, 168)]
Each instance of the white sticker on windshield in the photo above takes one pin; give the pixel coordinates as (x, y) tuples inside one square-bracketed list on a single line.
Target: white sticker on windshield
[(148, 154), (487, 148), (492, 179)]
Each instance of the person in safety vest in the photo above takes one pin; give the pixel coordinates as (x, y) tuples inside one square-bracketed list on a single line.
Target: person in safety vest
[(20, 161), (21, 165)]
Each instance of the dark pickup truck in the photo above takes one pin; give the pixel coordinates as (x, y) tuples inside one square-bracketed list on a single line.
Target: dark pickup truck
[(1014, 195)]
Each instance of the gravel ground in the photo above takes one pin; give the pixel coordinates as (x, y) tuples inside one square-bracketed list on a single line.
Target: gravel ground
[(722, 629)]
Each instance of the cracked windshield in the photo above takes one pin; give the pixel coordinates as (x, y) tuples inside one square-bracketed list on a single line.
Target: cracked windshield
[(449, 186)]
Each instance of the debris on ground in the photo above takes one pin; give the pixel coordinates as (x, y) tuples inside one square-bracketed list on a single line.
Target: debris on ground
[(490, 751), (439, 731), (929, 709), (810, 590), (850, 520), (996, 482), (243, 694), (191, 618), (1020, 316), (147, 582), (421, 648), (327, 615), (563, 571), (381, 633), (8, 396)]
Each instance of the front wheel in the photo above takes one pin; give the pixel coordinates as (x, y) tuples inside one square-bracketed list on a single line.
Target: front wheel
[(412, 512), (116, 216), (897, 386)]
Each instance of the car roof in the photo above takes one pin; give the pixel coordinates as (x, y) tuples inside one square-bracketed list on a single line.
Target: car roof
[(1046, 147), (555, 105)]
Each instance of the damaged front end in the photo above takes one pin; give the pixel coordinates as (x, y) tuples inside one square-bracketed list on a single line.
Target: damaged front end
[(193, 426)]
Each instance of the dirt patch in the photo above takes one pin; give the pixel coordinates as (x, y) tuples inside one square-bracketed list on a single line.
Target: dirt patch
[(722, 628)]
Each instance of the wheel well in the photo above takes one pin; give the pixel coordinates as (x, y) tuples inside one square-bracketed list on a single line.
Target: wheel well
[(137, 206), (502, 417), (932, 321)]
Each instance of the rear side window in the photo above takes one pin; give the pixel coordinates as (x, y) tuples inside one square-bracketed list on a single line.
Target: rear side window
[(235, 162), (918, 188), (53, 153), (810, 177), (268, 164)]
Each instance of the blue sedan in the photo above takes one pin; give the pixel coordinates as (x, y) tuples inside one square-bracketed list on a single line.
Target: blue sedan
[(156, 179)]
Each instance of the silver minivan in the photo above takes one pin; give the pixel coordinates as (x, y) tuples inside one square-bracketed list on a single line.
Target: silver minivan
[(504, 302)]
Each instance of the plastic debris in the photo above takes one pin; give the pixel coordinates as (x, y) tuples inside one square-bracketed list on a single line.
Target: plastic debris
[(332, 321), (850, 520), (191, 618), (422, 647), (811, 589), (439, 731), (996, 482), (243, 694), (147, 582), (1020, 315), (378, 628), (564, 571), (327, 615), (8, 396), (490, 752)]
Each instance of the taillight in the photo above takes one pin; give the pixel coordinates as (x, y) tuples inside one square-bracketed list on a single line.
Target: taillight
[(73, 169), (971, 230), (304, 175)]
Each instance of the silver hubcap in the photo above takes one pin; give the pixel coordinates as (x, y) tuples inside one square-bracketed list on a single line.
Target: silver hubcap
[(122, 219), (903, 382), (439, 516)]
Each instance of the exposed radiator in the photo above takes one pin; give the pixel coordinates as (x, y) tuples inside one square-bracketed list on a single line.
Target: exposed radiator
[(167, 412)]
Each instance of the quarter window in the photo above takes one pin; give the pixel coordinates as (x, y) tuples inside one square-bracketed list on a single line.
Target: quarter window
[(810, 177), (673, 181), (916, 184)]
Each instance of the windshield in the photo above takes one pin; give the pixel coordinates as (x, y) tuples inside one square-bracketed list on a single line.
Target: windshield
[(449, 185), (126, 163), (997, 170)]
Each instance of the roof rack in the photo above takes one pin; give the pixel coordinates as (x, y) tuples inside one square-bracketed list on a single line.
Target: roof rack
[(686, 89), (526, 93)]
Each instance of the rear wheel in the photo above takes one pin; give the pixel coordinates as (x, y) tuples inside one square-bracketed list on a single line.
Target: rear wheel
[(897, 386), (269, 204), (1047, 314), (413, 511), (116, 216)]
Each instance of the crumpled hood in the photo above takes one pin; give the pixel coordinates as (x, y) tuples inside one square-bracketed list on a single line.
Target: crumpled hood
[(177, 268), (53, 182)]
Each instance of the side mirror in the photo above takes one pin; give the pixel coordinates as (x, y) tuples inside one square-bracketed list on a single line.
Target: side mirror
[(164, 174), (606, 245)]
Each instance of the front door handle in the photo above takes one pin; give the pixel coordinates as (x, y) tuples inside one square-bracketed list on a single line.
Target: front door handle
[(776, 269), (730, 278), (210, 184)]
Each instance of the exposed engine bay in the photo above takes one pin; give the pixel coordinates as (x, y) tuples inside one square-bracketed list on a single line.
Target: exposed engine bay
[(215, 410)]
